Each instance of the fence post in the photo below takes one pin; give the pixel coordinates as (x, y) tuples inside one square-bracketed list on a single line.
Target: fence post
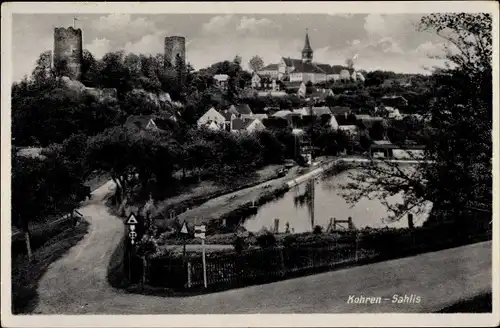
[(144, 270), (356, 254), (282, 259), (189, 274)]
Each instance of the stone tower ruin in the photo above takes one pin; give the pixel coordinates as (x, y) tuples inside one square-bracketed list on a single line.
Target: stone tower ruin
[(175, 51), (68, 52)]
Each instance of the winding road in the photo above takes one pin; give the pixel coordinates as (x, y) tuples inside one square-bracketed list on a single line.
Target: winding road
[(77, 283)]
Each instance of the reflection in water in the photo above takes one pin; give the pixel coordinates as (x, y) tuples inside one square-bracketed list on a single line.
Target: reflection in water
[(316, 201), (306, 199)]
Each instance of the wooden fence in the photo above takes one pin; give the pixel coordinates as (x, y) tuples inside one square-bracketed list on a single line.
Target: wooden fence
[(260, 265), (248, 267)]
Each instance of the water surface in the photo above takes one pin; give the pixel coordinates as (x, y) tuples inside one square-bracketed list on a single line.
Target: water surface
[(316, 201)]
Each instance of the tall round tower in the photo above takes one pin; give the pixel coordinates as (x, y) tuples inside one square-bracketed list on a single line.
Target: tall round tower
[(68, 52), (175, 51)]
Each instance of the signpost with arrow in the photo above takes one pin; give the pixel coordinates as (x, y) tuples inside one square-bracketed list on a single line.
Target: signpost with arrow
[(132, 222), (199, 232), (184, 231), (132, 234)]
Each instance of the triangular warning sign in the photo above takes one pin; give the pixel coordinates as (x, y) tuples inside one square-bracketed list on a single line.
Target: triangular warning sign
[(131, 219), (184, 228)]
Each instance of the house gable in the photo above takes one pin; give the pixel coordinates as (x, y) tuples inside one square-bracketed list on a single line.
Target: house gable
[(211, 115), (151, 125)]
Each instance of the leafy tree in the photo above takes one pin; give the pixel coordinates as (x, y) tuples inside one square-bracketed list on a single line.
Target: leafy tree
[(256, 63), (91, 70), (459, 147), (114, 73), (237, 60), (378, 130), (41, 187), (127, 151), (43, 68)]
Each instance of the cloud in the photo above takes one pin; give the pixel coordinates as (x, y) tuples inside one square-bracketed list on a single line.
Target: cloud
[(230, 25), (383, 32), (375, 25), (217, 24), (123, 28), (26, 55), (252, 24), (115, 22), (388, 44), (203, 52), (149, 44), (99, 47), (430, 48)]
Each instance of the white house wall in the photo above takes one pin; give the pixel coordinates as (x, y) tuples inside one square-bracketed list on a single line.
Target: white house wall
[(211, 115)]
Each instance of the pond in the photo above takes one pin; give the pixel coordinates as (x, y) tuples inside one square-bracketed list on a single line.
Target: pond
[(316, 201)]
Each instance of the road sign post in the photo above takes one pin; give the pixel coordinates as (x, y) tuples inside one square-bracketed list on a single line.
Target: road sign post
[(131, 222), (204, 263), (199, 232), (184, 231)]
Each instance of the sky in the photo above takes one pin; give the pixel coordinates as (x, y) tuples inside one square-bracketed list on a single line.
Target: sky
[(387, 42)]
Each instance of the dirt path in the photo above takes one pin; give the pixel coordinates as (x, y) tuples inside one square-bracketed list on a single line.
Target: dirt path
[(77, 284)]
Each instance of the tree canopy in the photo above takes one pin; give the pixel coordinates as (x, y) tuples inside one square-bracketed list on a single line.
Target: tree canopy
[(457, 171)]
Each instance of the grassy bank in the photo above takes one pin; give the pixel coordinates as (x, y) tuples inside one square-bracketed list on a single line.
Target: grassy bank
[(197, 194), (26, 274)]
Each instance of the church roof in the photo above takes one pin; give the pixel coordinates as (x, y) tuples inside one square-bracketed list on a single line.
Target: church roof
[(318, 67), (307, 68), (307, 44), (291, 62), (270, 67)]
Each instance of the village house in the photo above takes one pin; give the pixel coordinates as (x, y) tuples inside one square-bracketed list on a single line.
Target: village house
[(142, 122), (345, 119), (229, 117), (305, 70), (394, 101), (256, 80), (232, 110), (260, 116), (320, 95), (221, 80), (244, 111), (212, 116), (270, 70), (213, 126), (247, 125), (282, 113), (341, 110)]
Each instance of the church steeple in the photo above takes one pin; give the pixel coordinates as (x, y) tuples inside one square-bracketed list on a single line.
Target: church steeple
[(307, 52)]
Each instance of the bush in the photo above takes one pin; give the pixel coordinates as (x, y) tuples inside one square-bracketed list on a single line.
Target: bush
[(240, 243), (266, 239), (318, 230), (289, 240)]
